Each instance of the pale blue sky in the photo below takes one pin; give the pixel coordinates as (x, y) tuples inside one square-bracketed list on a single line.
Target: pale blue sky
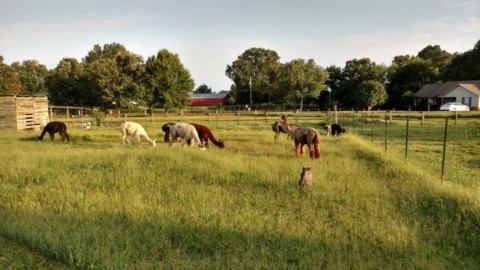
[(210, 34)]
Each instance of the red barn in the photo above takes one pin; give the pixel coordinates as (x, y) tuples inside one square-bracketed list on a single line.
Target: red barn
[(207, 100)]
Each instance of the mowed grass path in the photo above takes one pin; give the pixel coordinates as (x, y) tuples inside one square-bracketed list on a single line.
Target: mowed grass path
[(96, 204)]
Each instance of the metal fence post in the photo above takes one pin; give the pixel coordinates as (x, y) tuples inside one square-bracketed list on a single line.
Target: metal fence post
[(406, 137), (444, 147)]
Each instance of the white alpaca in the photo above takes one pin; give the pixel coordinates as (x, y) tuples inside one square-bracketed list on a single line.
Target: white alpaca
[(130, 129), (185, 131), (86, 126)]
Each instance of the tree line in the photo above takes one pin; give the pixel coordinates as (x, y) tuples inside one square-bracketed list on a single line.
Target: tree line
[(113, 77)]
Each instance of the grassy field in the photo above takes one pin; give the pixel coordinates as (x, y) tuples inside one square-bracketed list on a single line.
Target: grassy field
[(95, 204)]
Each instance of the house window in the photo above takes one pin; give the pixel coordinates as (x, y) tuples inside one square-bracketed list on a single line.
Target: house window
[(470, 101), (463, 100)]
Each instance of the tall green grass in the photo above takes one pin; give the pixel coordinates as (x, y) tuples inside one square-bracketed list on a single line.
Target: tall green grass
[(96, 204)]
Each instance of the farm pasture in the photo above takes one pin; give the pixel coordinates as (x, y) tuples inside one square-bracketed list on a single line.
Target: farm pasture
[(96, 204)]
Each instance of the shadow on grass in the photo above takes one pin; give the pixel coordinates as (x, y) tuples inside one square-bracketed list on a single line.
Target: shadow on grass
[(118, 241)]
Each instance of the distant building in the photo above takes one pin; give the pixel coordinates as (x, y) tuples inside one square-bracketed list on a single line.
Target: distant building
[(208, 100), (466, 92)]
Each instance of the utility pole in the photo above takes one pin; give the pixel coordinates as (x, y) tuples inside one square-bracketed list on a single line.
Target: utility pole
[(250, 83)]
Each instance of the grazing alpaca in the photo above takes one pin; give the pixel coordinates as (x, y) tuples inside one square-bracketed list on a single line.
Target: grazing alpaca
[(328, 129), (130, 129), (337, 130), (203, 134), (86, 126), (185, 131), (279, 127), (308, 136), (54, 127)]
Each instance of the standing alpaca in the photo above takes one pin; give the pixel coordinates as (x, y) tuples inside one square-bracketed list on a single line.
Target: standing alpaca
[(130, 129), (204, 134), (279, 127), (185, 131), (308, 136), (54, 127)]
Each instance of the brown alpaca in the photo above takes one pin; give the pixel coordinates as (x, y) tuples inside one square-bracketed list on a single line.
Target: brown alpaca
[(279, 127), (54, 127), (306, 136), (203, 134)]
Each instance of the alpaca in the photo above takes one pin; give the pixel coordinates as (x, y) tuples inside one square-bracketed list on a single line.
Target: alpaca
[(308, 136), (185, 131), (279, 127), (86, 126), (130, 129), (328, 130), (337, 130), (204, 134), (54, 127)]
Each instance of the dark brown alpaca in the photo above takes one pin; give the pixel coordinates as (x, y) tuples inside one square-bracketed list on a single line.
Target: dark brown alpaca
[(55, 127), (204, 134)]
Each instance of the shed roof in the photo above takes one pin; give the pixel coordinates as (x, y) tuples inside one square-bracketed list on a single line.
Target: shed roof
[(440, 89)]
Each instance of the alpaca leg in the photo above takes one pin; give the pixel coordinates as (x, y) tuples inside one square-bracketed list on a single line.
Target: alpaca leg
[(138, 139), (317, 150), (52, 136), (311, 151), (174, 139), (62, 136), (302, 149), (298, 148)]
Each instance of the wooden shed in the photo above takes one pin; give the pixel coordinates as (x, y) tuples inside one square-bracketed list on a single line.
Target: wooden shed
[(21, 113)]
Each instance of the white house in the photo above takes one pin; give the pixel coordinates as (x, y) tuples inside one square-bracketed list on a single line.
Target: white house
[(466, 92)]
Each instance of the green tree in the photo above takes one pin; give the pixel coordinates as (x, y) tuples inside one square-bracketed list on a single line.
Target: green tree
[(117, 75), (203, 89), (9, 79), (440, 58), (464, 66), (371, 93), (410, 76), (32, 76), (335, 77), (354, 73), (168, 80), (303, 79), (255, 73), (69, 85)]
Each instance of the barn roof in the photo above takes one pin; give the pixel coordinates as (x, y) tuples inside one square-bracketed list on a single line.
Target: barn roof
[(213, 95), (440, 89)]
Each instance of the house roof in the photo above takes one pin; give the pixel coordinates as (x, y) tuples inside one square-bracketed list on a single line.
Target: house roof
[(440, 89)]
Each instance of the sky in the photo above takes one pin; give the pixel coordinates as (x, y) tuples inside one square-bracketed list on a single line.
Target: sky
[(208, 35)]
